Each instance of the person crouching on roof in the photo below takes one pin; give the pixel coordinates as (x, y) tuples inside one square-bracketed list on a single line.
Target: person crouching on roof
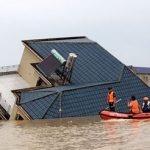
[(111, 99), (146, 105), (134, 105)]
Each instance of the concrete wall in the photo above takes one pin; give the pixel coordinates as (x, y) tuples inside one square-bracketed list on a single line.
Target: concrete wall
[(145, 78), (17, 110), (25, 69)]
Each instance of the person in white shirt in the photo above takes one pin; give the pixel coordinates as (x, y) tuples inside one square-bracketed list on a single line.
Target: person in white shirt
[(146, 105)]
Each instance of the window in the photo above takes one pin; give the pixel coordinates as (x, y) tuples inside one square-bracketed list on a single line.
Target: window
[(40, 82), (19, 117), (145, 78)]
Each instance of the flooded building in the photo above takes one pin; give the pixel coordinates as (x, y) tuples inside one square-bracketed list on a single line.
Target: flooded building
[(70, 77), (143, 73), (9, 80)]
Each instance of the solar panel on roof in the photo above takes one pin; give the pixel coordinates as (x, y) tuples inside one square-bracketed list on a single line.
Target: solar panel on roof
[(48, 65)]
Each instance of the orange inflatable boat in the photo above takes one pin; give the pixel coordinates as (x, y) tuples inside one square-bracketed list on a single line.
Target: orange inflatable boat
[(105, 114)]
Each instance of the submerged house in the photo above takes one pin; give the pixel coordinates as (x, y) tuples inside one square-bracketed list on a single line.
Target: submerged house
[(143, 73), (9, 80), (82, 91)]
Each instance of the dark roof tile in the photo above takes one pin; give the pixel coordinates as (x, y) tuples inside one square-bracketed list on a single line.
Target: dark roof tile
[(93, 64), (142, 70), (95, 70), (88, 100)]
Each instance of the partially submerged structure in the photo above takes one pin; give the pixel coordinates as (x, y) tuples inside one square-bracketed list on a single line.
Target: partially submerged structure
[(143, 73), (9, 80), (79, 91)]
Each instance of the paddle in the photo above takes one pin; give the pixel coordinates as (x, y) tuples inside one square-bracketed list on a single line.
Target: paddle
[(115, 103)]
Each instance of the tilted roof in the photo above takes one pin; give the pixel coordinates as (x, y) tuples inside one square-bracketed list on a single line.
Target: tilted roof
[(71, 101), (94, 64), (95, 70)]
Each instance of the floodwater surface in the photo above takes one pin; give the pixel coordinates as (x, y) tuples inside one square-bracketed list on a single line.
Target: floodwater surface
[(86, 133)]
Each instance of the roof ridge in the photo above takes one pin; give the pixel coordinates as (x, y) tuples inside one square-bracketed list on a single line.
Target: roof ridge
[(141, 67), (54, 39)]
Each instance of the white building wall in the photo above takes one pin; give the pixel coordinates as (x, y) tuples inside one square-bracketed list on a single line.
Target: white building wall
[(8, 83)]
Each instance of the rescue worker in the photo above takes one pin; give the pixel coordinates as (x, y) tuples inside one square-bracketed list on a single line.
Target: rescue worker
[(134, 105), (146, 105), (111, 99)]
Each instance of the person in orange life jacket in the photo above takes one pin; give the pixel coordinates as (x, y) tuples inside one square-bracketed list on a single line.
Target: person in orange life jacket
[(111, 99), (146, 105), (134, 105)]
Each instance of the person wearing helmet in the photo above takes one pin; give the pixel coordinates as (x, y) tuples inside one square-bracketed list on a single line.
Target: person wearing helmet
[(146, 105)]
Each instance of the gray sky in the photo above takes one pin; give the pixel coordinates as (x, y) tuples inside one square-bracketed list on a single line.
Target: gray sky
[(120, 26)]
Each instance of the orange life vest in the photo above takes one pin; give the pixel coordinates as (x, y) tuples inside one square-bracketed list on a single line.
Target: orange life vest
[(135, 106), (110, 97)]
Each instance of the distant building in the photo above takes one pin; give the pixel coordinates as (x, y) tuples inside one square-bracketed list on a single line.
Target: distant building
[(56, 91), (5, 70), (143, 73)]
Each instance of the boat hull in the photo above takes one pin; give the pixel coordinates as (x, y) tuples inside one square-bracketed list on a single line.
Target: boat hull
[(114, 115)]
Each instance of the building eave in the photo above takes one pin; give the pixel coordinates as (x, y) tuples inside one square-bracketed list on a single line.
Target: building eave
[(32, 50), (54, 39), (23, 113)]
